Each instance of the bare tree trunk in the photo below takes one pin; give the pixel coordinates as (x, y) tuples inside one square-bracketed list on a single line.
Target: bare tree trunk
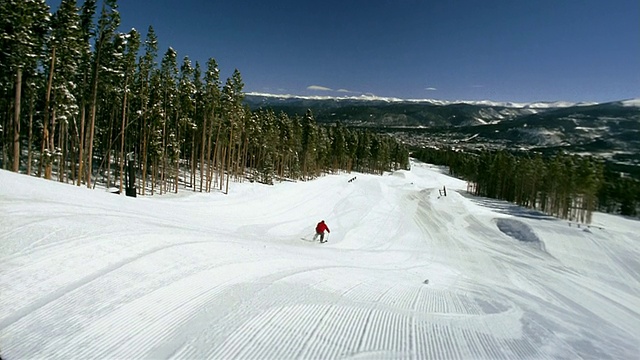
[(124, 120), (52, 144), (177, 177), (45, 127), (83, 113), (231, 146), (220, 175), (108, 170), (16, 122), (4, 139), (72, 156), (144, 166), (29, 152), (245, 157), (154, 172), (218, 164), (192, 176), (62, 144), (202, 150), (212, 162), (92, 128), (164, 157)]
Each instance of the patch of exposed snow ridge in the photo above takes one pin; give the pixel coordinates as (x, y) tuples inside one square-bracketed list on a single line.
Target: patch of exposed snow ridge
[(631, 102)]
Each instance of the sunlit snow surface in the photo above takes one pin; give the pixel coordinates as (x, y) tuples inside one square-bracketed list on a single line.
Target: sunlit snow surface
[(406, 273)]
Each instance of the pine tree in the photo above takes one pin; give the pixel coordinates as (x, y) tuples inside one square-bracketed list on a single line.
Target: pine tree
[(87, 13), (186, 108), (65, 48), (23, 26), (199, 126), (146, 65), (168, 88), (133, 46), (105, 31), (233, 116), (211, 119), (309, 139)]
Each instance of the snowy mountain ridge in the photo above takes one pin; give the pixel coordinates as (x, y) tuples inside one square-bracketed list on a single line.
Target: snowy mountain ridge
[(371, 97)]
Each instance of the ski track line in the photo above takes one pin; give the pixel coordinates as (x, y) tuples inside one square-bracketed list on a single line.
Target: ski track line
[(472, 338), (370, 331), (226, 350), (26, 310), (56, 281), (521, 348), (153, 334), (250, 337), (52, 344), (174, 309), (313, 331), (365, 329), (243, 310), (282, 332), (44, 222), (103, 234), (622, 269), (54, 251), (234, 344), (313, 316), (455, 342), (351, 325), (229, 348)]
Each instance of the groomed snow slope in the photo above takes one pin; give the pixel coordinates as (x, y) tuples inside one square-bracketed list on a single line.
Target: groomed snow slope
[(86, 274)]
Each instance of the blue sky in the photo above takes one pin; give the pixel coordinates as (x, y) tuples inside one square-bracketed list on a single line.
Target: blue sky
[(502, 50)]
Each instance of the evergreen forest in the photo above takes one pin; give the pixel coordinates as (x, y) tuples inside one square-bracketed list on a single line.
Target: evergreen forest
[(566, 186), (81, 102)]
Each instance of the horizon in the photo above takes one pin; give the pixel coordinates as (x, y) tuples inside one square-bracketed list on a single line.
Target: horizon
[(630, 102), (498, 51)]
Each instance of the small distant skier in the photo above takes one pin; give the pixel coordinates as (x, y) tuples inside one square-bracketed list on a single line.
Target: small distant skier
[(320, 228)]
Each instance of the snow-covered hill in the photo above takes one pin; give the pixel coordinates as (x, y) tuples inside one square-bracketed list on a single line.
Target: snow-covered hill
[(406, 273)]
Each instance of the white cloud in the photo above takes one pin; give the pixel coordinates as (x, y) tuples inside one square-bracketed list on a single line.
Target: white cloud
[(345, 91), (318, 88), (431, 89)]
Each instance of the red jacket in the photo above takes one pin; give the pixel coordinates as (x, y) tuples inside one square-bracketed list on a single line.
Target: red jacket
[(321, 227)]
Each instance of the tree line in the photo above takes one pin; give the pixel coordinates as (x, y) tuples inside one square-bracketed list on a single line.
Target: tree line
[(79, 100), (566, 186)]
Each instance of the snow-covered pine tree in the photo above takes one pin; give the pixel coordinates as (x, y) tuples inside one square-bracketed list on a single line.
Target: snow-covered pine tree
[(198, 132), (146, 66), (23, 26), (185, 115), (87, 13), (212, 119), (309, 142), (233, 114), (132, 48), (64, 49), (104, 33), (168, 85)]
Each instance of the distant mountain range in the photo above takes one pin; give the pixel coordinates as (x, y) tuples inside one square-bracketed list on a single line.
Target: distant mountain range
[(610, 130)]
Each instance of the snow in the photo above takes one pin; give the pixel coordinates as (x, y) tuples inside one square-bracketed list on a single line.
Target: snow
[(631, 102), (371, 97), (406, 273)]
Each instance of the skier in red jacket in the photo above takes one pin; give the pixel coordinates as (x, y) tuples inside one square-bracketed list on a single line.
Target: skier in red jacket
[(320, 228)]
